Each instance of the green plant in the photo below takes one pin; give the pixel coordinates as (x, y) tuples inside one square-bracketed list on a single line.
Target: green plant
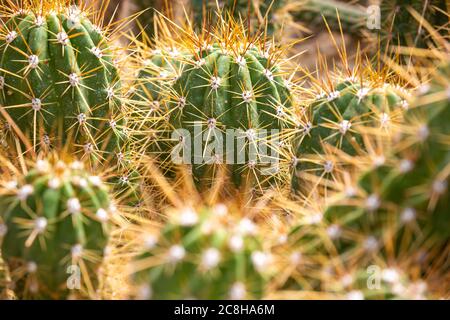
[(408, 193), (204, 254), (55, 221), (337, 122), (259, 14), (59, 78), (208, 84)]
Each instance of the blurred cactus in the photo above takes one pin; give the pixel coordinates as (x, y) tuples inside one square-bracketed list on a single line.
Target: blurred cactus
[(55, 223), (196, 256), (403, 21), (351, 17)]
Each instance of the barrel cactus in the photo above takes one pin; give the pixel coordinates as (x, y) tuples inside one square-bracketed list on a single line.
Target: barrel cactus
[(339, 118), (59, 78), (202, 254), (231, 92), (406, 195), (55, 226)]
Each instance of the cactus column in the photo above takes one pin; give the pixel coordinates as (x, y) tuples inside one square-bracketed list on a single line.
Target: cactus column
[(58, 81)]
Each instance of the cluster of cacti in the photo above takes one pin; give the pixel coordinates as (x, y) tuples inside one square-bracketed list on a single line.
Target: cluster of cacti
[(409, 189), (257, 178), (59, 79), (55, 225)]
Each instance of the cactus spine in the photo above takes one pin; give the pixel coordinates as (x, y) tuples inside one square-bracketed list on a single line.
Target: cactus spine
[(224, 81)]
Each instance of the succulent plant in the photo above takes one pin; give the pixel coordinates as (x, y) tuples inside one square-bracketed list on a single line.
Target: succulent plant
[(220, 81), (55, 223), (407, 194), (257, 13), (337, 122), (209, 254), (59, 78)]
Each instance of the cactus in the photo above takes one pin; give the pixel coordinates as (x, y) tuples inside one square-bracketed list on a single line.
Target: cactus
[(340, 119), (59, 78), (56, 221), (416, 178), (5, 279), (403, 21), (226, 81), (406, 195), (196, 256)]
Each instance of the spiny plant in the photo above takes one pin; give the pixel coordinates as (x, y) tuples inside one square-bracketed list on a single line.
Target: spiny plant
[(338, 14), (196, 256), (226, 80), (155, 70), (383, 279), (257, 14), (179, 219), (202, 247), (406, 195), (402, 21), (59, 77), (55, 223), (418, 172), (348, 114), (350, 256)]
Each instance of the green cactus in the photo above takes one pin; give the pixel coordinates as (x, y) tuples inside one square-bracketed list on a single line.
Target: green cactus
[(427, 151), (56, 221), (408, 194), (59, 79), (203, 255), (339, 120), (220, 89)]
